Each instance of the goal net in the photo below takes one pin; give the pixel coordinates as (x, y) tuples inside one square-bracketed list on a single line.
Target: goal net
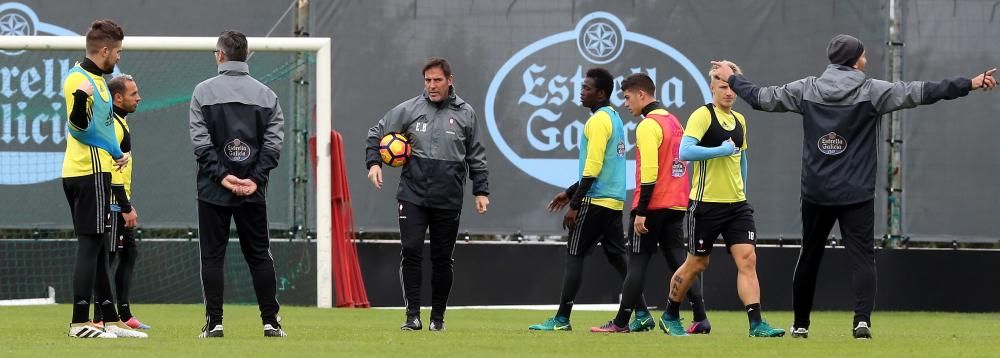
[(37, 246)]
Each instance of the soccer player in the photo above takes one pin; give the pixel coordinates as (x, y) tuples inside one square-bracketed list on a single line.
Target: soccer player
[(596, 201), (446, 147), (840, 111), (662, 187), (716, 140), (124, 218), (92, 152), (237, 129)]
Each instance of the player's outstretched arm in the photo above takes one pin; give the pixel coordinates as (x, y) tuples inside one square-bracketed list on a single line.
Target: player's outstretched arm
[(893, 96), (784, 98)]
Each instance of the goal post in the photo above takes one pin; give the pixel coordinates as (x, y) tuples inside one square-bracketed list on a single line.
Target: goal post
[(323, 80)]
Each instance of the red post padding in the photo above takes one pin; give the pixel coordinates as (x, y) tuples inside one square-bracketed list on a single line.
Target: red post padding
[(349, 285)]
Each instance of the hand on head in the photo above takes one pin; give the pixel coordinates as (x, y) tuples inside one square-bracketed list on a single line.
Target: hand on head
[(725, 69)]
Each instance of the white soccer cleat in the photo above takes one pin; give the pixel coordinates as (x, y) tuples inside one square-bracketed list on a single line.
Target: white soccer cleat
[(122, 330), (88, 330), (272, 331)]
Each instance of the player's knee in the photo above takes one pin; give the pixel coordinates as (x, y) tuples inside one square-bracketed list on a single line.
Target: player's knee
[(697, 264), (746, 260)]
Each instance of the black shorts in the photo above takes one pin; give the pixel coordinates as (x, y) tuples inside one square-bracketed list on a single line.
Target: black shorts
[(734, 221), (595, 223), (89, 198), (666, 230), (120, 236)]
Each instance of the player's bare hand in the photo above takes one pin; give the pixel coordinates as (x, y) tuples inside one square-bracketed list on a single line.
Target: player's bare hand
[(570, 219), (375, 176), (482, 203), (558, 202), (640, 225), (86, 88), (120, 163), (131, 218), (986, 81)]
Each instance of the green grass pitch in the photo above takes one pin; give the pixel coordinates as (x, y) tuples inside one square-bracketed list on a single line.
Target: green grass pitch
[(41, 331)]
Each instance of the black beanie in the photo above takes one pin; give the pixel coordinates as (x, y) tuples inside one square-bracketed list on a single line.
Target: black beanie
[(844, 50)]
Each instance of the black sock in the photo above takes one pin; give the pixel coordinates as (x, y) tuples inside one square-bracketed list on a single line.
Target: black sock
[(124, 312), (108, 313), (753, 313), (571, 284), (673, 309), (87, 250), (81, 309), (698, 307)]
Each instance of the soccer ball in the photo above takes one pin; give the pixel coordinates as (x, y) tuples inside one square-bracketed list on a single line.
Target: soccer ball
[(394, 149)]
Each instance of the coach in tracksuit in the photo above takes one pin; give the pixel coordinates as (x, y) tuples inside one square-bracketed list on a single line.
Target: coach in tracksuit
[(841, 111), (444, 134), (237, 130)]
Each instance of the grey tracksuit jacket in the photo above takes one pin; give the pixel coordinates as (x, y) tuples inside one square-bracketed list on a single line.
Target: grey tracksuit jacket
[(237, 128), (445, 148), (841, 110)]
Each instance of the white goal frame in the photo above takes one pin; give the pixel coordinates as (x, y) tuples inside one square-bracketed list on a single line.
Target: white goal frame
[(324, 114)]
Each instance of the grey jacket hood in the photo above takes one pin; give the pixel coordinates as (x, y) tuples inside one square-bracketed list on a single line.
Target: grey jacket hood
[(838, 82)]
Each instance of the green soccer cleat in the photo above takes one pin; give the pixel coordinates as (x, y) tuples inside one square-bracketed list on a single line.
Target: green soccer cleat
[(552, 324), (643, 322), (763, 329), (672, 327)]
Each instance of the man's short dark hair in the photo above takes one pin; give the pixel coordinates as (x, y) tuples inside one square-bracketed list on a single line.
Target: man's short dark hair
[(639, 81), (117, 85), (439, 63), (103, 33), (602, 79), (233, 44)]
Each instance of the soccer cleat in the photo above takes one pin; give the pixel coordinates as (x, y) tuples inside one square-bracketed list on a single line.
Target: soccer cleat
[(135, 324), (215, 332), (88, 330), (799, 332), (763, 329), (672, 327), (436, 326), (552, 324), (610, 327), (862, 331), (122, 330), (412, 324), (274, 331), (643, 322), (700, 327)]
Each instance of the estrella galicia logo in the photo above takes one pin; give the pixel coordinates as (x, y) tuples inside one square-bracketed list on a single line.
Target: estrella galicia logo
[(32, 109), (533, 111), (236, 150), (831, 144)]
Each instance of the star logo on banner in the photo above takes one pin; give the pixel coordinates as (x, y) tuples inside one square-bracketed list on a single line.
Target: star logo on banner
[(600, 39), (14, 25)]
